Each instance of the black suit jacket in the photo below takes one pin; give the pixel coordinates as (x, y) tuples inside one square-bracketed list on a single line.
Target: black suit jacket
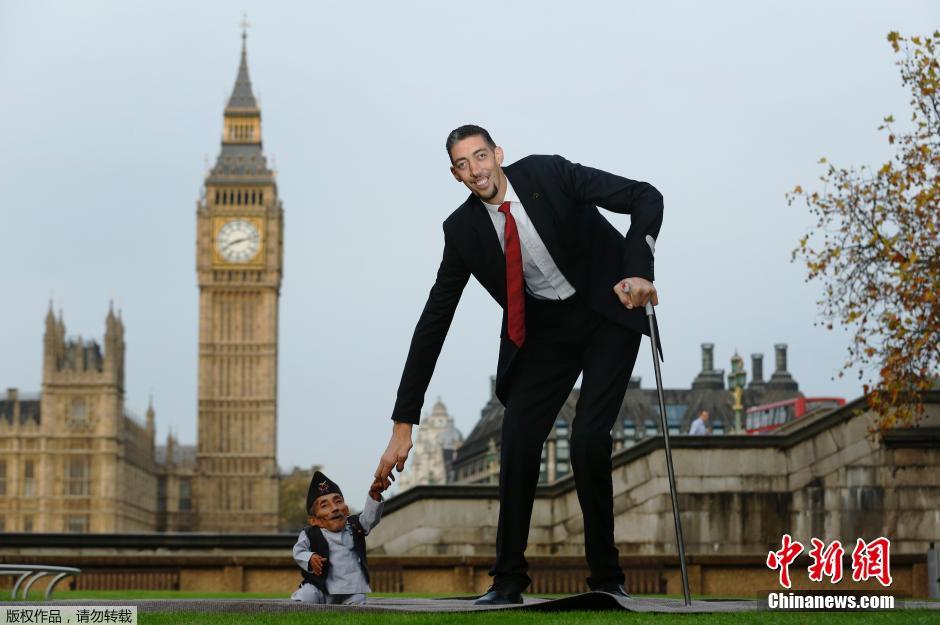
[(561, 199)]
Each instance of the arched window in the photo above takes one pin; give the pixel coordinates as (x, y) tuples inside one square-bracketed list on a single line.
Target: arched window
[(77, 477), (29, 478), (78, 410)]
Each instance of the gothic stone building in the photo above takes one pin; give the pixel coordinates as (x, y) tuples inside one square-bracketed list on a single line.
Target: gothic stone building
[(436, 443), (73, 460), (477, 460)]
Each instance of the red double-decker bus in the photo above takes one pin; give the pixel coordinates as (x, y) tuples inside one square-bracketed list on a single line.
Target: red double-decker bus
[(767, 418)]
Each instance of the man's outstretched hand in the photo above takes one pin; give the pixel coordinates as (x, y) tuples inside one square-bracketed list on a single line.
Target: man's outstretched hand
[(395, 454), (635, 292)]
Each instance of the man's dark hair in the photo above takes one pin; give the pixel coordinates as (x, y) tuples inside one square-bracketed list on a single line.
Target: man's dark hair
[(469, 130)]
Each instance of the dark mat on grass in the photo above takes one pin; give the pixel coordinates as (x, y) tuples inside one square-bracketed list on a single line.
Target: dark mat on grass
[(590, 601)]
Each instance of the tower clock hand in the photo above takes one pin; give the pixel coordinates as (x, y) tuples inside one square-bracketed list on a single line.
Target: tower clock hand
[(231, 243)]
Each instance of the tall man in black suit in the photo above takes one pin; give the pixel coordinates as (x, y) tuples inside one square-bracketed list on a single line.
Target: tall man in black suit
[(572, 289)]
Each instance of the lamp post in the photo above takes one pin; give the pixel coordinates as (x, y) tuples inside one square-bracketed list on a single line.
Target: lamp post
[(736, 379)]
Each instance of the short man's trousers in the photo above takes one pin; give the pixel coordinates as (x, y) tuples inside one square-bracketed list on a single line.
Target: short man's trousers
[(308, 593)]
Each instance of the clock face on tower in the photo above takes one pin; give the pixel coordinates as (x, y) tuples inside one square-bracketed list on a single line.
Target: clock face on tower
[(238, 241)]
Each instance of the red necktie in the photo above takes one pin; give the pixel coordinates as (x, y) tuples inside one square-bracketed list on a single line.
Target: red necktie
[(515, 283)]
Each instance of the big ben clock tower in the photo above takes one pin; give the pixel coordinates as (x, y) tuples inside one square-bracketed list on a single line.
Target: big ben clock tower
[(239, 261)]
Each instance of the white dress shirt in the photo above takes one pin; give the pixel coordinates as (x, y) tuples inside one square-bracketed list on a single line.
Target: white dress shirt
[(543, 279)]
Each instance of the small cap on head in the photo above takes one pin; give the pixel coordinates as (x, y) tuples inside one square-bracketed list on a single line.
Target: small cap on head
[(320, 485)]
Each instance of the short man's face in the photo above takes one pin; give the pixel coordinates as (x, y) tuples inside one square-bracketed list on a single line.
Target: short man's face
[(704, 415), (477, 165), (329, 512)]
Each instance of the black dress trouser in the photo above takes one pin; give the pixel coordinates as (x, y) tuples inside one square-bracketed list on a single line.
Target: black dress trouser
[(563, 339)]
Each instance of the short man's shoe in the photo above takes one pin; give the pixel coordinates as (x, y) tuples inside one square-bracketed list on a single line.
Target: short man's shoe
[(615, 590), (495, 596)]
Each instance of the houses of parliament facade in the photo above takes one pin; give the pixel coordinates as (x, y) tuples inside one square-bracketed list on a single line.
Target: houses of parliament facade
[(72, 459)]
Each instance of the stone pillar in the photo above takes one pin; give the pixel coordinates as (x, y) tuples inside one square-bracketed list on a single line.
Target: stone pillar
[(709, 378), (550, 461), (757, 370), (12, 396), (781, 357), (781, 380), (708, 357), (933, 572)]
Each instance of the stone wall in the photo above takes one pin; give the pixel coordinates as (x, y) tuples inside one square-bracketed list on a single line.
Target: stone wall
[(245, 570), (826, 477)]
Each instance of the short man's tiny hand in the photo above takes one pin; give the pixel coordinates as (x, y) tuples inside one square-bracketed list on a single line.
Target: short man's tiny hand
[(636, 292), (378, 487), (316, 564)]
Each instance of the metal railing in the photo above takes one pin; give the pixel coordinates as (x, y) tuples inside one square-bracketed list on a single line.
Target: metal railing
[(29, 573)]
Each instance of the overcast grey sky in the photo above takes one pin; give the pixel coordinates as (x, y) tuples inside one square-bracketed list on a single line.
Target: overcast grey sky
[(109, 110)]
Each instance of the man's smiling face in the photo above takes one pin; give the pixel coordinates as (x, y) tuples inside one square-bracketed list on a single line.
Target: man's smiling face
[(477, 165), (329, 512)]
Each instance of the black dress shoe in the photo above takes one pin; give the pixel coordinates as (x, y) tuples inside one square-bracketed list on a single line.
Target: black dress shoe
[(495, 596), (615, 590)]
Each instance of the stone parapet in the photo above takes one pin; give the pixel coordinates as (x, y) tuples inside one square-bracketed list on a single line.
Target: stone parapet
[(827, 477), (200, 570)]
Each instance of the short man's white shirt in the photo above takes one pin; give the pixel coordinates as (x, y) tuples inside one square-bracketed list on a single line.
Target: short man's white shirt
[(698, 428), (345, 576), (543, 279)]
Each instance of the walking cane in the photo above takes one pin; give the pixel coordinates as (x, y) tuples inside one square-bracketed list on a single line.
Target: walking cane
[(650, 315), (672, 476)]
